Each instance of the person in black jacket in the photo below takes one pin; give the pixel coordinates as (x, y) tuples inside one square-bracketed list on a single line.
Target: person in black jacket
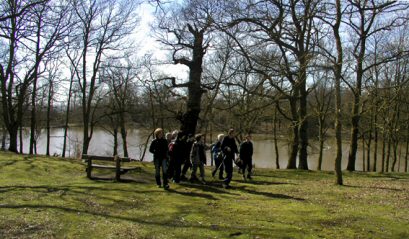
[(176, 152), (186, 146), (229, 149), (159, 149), (246, 155)]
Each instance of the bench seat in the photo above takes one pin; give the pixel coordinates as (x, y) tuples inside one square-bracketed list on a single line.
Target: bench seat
[(116, 164)]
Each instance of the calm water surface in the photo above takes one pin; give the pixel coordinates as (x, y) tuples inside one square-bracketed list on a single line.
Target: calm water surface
[(264, 153)]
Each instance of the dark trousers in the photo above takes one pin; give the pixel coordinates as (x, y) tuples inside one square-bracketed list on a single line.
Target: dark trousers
[(171, 168), (187, 164), (177, 166), (161, 164), (219, 166), (247, 164), (228, 166)]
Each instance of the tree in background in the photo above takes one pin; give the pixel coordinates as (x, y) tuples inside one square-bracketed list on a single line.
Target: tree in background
[(28, 33), (120, 79), (102, 29), (365, 18)]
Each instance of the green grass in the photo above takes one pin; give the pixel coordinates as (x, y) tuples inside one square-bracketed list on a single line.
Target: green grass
[(44, 197)]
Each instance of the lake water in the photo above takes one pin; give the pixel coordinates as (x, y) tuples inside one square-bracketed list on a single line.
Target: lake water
[(264, 153)]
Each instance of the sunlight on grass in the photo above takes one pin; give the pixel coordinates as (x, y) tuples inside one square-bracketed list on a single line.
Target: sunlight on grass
[(44, 197)]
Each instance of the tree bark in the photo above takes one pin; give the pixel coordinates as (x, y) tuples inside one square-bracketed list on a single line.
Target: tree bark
[(353, 148), (191, 116), (383, 152), (277, 158), (303, 122), (338, 100), (48, 120), (293, 150), (124, 135)]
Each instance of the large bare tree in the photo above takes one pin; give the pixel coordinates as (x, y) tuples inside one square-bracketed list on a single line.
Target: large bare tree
[(186, 31), (102, 29)]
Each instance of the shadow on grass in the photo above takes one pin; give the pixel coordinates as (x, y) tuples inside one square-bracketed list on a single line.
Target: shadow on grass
[(193, 194), (212, 187), (375, 187), (258, 182), (266, 194), (80, 190), (122, 180), (384, 175), (224, 231), (8, 163)]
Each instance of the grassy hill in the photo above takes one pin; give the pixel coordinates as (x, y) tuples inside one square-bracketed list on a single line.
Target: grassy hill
[(44, 197)]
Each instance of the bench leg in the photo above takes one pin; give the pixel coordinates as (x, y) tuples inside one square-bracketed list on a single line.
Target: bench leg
[(118, 169), (89, 168)]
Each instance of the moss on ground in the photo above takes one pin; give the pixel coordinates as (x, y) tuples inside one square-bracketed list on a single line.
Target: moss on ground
[(44, 197)]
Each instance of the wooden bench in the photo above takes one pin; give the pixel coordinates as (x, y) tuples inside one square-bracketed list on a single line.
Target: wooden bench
[(119, 170)]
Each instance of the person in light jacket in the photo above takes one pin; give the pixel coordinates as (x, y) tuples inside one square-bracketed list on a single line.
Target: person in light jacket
[(217, 155), (198, 158)]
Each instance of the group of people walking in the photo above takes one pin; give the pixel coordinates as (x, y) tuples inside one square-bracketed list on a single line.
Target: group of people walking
[(175, 153)]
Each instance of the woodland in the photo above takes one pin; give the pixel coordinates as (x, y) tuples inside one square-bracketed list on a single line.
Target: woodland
[(306, 69)]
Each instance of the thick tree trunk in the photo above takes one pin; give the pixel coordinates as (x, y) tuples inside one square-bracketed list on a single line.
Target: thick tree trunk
[(67, 118), (277, 158), (356, 114), (407, 146), (115, 141), (406, 157), (368, 149), (33, 121), (395, 154), (353, 148), (338, 106), (21, 139), (85, 138), (321, 151), (190, 118), (293, 150), (383, 153), (388, 153), (375, 153), (124, 140), (3, 139), (294, 141), (48, 127), (189, 121), (363, 153), (303, 126), (13, 133)]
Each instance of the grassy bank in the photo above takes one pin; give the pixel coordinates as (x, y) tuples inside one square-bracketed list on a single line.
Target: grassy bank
[(51, 198)]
